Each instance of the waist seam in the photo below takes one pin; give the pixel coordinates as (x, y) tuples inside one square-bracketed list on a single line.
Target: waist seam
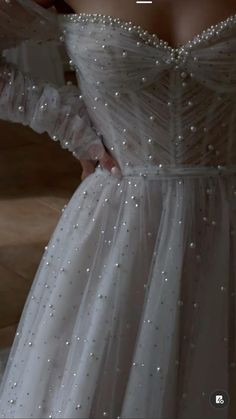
[(174, 171)]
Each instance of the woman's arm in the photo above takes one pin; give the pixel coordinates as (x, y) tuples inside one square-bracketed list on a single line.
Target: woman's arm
[(46, 3), (24, 20), (60, 5), (61, 112)]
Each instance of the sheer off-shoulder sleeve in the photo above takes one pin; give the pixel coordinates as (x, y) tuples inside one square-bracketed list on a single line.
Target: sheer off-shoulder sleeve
[(25, 20), (59, 111)]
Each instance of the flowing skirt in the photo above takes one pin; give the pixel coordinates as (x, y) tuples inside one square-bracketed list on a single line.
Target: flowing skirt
[(131, 313)]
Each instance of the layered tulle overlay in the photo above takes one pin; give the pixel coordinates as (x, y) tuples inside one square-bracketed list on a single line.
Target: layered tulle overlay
[(131, 313)]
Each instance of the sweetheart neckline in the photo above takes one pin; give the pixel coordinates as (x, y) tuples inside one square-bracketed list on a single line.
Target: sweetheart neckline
[(128, 23)]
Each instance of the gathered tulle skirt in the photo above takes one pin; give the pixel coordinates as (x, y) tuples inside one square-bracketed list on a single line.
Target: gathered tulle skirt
[(131, 313)]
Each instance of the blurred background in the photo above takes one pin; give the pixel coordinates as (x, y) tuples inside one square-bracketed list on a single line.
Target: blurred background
[(37, 178)]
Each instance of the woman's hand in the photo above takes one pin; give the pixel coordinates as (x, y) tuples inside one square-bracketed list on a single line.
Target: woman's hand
[(106, 161), (104, 158)]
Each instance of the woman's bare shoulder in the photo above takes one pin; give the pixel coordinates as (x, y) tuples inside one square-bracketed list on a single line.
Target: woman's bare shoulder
[(45, 3), (60, 5)]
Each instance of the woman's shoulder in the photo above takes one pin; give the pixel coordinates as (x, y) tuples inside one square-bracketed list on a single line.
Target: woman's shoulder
[(60, 5)]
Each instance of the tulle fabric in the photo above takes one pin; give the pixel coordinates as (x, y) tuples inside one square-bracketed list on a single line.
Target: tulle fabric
[(45, 107), (59, 111), (131, 313), (25, 20), (159, 115), (105, 318)]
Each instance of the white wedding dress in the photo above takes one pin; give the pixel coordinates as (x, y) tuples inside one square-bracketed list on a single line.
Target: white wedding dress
[(131, 313)]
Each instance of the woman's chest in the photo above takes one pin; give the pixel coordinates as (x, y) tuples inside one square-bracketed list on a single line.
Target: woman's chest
[(174, 21)]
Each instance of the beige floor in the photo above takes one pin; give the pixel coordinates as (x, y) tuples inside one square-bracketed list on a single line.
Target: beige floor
[(37, 178)]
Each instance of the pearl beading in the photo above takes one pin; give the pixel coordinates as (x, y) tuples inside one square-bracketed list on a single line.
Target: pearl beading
[(151, 38)]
